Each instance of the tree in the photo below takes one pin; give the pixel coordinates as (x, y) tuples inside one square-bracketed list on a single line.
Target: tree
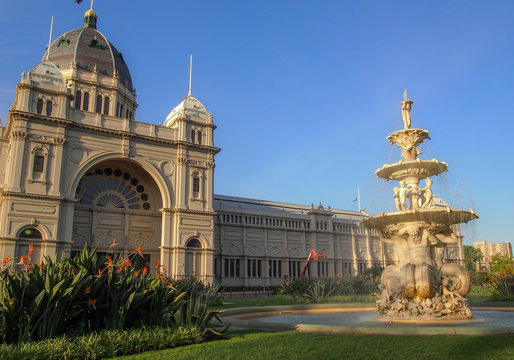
[(502, 264), (471, 256)]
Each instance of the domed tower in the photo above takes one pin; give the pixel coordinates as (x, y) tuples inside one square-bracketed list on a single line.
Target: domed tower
[(95, 76), (81, 171)]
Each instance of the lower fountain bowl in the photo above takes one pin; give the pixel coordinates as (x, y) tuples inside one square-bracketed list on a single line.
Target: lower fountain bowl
[(361, 319)]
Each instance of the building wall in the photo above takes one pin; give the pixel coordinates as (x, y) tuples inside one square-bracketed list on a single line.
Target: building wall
[(489, 250)]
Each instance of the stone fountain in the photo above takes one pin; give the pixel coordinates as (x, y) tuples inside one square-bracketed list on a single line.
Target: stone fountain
[(420, 286)]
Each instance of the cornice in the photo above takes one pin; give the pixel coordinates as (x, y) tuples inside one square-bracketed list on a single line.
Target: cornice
[(55, 92), (187, 211), (118, 133), (36, 196)]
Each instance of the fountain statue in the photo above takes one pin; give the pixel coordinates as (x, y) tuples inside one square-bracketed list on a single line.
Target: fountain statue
[(421, 285)]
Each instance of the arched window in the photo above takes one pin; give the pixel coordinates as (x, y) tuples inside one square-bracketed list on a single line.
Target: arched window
[(78, 99), (39, 106), (98, 107), (113, 189), (48, 108), (199, 137), (106, 105), (121, 110), (85, 106), (118, 109), (30, 233), (193, 136), (194, 243), (38, 164)]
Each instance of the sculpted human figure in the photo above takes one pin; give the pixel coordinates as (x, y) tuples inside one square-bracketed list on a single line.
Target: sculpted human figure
[(406, 107), (439, 243), (396, 197), (427, 194), (418, 244), (402, 196)]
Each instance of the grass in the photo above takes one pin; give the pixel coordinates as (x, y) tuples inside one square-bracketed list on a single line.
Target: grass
[(294, 345)]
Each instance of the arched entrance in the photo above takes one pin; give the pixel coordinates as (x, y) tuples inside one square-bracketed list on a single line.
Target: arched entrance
[(118, 201), (193, 266), (28, 244)]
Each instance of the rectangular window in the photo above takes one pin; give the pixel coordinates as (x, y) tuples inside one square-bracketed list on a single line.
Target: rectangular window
[(225, 271), (232, 267), (193, 136), (199, 137)]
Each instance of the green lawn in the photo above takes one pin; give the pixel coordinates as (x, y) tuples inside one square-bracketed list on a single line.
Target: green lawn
[(294, 345)]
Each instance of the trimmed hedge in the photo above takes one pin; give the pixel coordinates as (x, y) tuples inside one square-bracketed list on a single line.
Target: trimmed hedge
[(103, 344)]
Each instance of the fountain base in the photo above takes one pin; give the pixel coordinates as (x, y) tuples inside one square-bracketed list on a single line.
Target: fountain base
[(449, 307)]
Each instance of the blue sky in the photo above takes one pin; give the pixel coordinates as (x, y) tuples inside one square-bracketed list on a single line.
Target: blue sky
[(304, 93)]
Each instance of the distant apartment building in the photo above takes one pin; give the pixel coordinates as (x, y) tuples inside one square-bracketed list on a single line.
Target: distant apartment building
[(489, 250)]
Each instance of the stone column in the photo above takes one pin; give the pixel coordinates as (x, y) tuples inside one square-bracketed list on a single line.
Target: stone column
[(166, 237)]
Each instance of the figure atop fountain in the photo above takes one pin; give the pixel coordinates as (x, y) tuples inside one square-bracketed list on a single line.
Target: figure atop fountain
[(406, 107)]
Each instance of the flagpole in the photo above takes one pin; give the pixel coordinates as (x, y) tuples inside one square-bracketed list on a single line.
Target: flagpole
[(359, 197)]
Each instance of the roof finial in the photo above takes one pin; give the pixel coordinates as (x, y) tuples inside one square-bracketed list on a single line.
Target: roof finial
[(90, 18), (50, 39), (190, 72)]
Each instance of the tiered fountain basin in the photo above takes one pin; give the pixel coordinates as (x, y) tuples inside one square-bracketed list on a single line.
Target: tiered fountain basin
[(361, 319), (419, 169), (435, 217)]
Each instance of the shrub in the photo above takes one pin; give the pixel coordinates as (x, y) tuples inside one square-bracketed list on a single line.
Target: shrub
[(315, 290), (85, 294)]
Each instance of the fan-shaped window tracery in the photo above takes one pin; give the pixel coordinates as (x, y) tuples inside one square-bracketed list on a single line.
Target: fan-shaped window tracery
[(112, 189)]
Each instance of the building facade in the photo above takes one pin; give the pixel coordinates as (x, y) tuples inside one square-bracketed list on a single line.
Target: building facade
[(77, 169), (489, 250)]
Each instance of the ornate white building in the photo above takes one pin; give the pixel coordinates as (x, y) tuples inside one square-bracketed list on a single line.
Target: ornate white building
[(77, 168)]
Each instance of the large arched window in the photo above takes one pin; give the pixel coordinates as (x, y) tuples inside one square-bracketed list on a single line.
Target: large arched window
[(110, 188)]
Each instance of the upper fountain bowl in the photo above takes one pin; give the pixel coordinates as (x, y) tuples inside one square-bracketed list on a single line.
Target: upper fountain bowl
[(437, 218), (419, 169)]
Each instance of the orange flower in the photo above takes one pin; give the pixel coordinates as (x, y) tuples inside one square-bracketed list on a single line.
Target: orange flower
[(88, 289), (157, 264), (108, 262), (91, 301), (23, 260), (136, 272), (139, 251), (145, 270), (31, 250), (6, 260)]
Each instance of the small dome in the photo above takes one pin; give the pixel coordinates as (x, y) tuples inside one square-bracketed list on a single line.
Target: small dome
[(86, 48), (47, 74), (189, 108)]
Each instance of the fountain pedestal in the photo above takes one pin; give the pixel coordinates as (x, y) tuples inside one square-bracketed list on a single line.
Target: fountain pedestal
[(420, 286)]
